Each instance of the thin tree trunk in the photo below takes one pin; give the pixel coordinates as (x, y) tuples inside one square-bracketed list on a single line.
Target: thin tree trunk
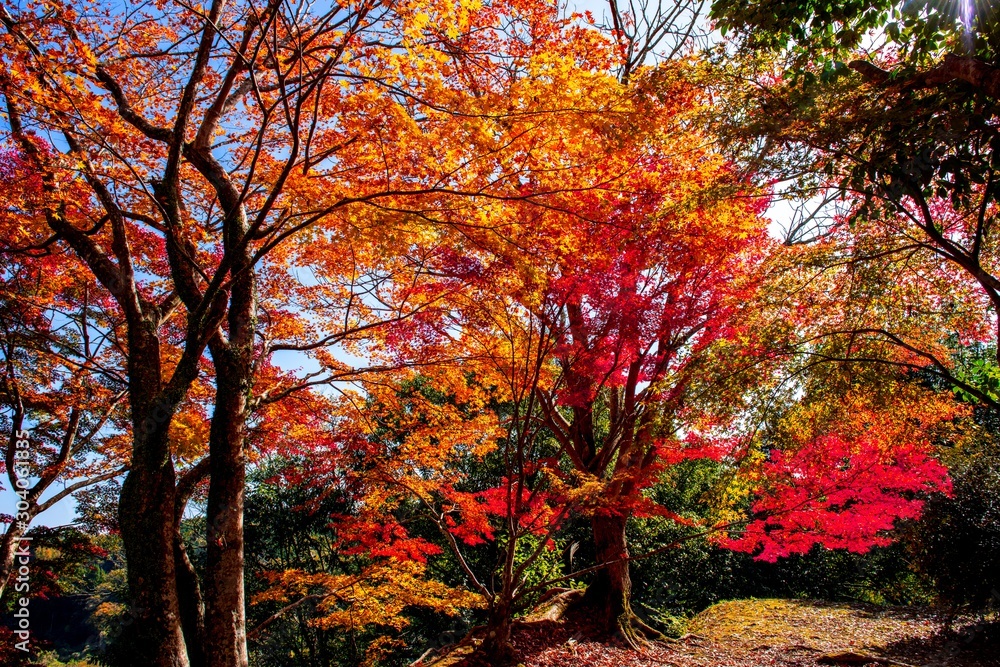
[(8, 549), (192, 605), (188, 586)]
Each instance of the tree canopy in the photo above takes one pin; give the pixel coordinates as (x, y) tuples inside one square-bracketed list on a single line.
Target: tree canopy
[(472, 295)]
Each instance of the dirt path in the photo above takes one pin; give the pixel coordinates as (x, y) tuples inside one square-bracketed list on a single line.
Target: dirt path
[(783, 633)]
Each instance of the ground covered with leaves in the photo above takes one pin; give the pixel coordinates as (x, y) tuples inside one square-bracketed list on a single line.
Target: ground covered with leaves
[(752, 633)]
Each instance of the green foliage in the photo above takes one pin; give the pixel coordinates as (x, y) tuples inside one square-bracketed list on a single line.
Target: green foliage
[(976, 366), (287, 526), (107, 598), (820, 31), (548, 565), (52, 659), (879, 136), (956, 545)]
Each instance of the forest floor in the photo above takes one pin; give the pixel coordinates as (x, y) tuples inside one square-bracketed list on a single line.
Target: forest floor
[(786, 633)]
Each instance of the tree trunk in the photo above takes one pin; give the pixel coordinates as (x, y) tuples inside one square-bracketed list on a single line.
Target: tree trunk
[(610, 594), (225, 614), (8, 549), (188, 586), (225, 620), (611, 590), (146, 517), (496, 644), (192, 605)]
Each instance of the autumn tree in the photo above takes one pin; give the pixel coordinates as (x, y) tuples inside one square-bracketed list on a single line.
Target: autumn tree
[(61, 394), (359, 465), (461, 445), (853, 454), (499, 323), (651, 296), (639, 302), (600, 312)]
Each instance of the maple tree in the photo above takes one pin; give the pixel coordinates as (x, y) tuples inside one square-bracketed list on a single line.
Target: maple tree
[(62, 399), (592, 317), (840, 474), (463, 451), (404, 444), (638, 299), (456, 443), (632, 250), (390, 449), (841, 467)]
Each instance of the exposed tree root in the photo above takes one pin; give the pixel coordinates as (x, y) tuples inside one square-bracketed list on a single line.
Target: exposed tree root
[(636, 633), (441, 655), (555, 607), (630, 629)]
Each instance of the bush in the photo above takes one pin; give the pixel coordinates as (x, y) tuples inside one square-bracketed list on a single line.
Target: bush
[(697, 574), (956, 544)]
